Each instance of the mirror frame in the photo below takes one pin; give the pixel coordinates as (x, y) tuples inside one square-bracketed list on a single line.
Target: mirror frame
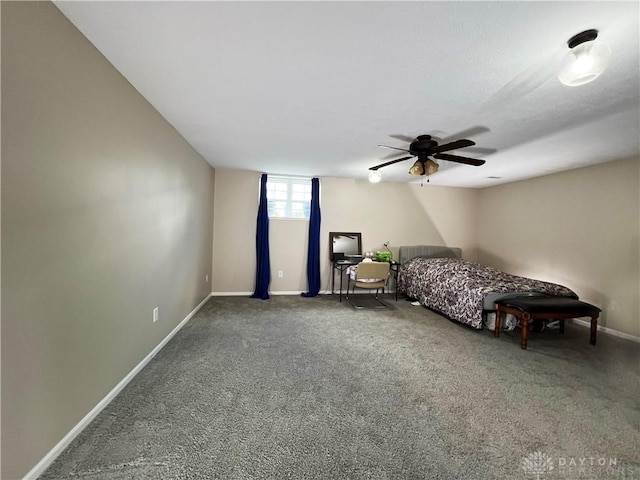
[(332, 235)]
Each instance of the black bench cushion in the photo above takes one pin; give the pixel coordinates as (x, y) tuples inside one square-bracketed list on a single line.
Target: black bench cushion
[(549, 304)]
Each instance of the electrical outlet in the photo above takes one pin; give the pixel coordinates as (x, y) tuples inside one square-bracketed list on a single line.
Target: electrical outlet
[(155, 315), (206, 278), (280, 274)]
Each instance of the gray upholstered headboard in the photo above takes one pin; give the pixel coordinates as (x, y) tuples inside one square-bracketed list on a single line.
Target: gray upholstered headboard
[(428, 251)]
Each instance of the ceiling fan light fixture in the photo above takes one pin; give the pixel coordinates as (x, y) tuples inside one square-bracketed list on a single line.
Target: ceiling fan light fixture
[(586, 60), (427, 167), (417, 168), (375, 176), (423, 147), (432, 167)]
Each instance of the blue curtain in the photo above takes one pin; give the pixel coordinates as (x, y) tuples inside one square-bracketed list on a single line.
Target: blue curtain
[(263, 267), (313, 252)]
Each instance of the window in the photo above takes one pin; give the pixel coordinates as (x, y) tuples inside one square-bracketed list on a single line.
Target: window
[(288, 197)]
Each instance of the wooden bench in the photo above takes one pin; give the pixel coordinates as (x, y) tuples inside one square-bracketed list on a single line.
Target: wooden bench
[(546, 308)]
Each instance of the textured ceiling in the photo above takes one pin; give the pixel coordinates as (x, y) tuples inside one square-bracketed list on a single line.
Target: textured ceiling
[(311, 88)]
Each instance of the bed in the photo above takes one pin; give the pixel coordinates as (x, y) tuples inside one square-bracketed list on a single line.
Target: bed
[(464, 291)]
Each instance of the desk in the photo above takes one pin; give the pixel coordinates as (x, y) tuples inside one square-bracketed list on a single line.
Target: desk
[(395, 268), (342, 265)]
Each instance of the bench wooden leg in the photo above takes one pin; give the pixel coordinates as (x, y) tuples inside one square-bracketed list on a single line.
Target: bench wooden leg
[(594, 329), (524, 321), (496, 326)]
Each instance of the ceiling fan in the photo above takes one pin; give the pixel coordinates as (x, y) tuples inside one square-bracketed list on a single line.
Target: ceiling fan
[(424, 147)]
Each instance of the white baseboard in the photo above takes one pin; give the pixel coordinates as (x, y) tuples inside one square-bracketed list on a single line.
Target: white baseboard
[(231, 294), (248, 294), (48, 459), (610, 331), (292, 292)]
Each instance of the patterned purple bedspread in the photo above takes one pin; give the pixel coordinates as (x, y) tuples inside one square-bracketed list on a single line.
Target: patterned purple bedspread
[(457, 287)]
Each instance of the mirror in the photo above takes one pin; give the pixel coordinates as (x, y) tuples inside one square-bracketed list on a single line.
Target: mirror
[(343, 244)]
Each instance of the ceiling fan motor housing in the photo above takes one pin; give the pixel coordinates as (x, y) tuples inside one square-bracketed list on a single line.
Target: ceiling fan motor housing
[(423, 144)]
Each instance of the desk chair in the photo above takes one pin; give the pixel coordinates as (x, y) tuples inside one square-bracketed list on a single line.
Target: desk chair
[(370, 275)]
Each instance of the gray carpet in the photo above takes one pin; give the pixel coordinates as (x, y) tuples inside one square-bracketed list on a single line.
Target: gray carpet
[(310, 388)]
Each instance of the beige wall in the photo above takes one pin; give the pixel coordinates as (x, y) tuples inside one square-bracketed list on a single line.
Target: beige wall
[(234, 237), (106, 213), (400, 213), (580, 228)]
